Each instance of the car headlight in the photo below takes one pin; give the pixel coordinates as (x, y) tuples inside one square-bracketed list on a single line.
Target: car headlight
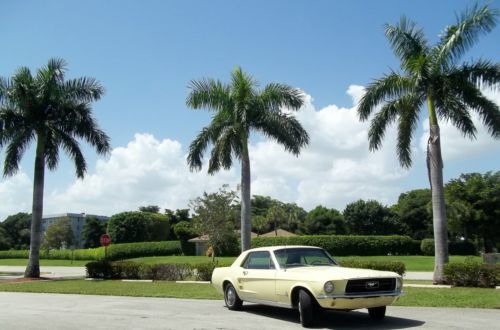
[(328, 287), (399, 283)]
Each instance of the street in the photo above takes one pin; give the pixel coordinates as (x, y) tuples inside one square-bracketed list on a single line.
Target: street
[(53, 311)]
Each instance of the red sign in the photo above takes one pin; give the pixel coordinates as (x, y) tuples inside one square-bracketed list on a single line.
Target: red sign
[(105, 240)]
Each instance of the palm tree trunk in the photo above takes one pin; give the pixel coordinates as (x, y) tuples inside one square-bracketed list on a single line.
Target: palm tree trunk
[(33, 268), (245, 199), (440, 224)]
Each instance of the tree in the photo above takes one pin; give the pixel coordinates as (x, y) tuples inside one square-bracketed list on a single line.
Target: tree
[(54, 112), (58, 235), (5, 242), (17, 227), (432, 75), (474, 201), (241, 108), (150, 208), (214, 217), (92, 230), (324, 221), (370, 218), (413, 209), (276, 216), (127, 227)]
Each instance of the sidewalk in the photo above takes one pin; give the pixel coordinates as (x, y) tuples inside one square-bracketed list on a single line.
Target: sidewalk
[(45, 271)]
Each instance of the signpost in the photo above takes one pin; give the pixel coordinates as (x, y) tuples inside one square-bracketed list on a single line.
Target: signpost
[(105, 241)]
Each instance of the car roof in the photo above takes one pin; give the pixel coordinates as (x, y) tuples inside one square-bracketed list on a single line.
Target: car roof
[(279, 247)]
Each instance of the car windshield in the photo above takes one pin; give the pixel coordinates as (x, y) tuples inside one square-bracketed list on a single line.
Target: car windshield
[(301, 257)]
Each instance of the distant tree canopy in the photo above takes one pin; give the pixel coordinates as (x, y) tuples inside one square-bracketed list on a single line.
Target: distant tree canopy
[(370, 218), (138, 226), (17, 228), (414, 210), (270, 214), (474, 208), (150, 208), (58, 235), (324, 221), (92, 231), (5, 242)]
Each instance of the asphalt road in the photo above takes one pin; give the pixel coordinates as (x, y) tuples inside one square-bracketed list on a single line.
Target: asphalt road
[(52, 311)]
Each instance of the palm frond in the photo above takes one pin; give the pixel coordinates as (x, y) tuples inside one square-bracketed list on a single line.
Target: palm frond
[(391, 86), (51, 150), (276, 96), (387, 115), (408, 119), (407, 41), (481, 72), (15, 151), (208, 93), (460, 37), (222, 152), (72, 148), (83, 89), (284, 129)]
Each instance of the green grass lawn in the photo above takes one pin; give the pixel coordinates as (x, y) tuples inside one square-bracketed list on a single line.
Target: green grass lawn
[(44, 262), (413, 263), (455, 297)]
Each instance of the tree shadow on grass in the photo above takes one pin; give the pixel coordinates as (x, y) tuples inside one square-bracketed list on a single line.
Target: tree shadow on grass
[(335, 319)]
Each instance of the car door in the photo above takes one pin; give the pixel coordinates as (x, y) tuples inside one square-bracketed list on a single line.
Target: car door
[(258, 276)]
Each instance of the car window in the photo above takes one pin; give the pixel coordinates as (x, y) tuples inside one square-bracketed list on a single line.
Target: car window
[(258, 260), (297, 257)]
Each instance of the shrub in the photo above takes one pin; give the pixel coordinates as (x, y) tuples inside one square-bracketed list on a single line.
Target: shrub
[(345, 245), (204, 271), (427, 247), (391, 266), (171, 272), (126, 270), (459, 248), (99, 269), (14, 254), (471, 273)]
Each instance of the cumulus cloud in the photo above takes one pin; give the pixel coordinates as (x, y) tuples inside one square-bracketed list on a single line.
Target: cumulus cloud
[(15, 195)]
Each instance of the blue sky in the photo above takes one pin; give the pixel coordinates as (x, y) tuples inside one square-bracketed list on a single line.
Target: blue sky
[(146, 52)]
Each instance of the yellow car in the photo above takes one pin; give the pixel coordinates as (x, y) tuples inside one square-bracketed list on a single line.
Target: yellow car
[(305, 278)]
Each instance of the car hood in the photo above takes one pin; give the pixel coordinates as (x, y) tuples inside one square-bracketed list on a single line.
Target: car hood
[(337, 272)]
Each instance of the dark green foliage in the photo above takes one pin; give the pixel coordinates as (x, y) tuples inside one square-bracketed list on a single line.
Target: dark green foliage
[(263, 219), (391, 266), (150, 208), (99, 269), (184, 231), (427, 247), (129, 227), (324, 221), (472, 274), (474, 212), (17, 227), (92, 230), (458, 248), (415, 213), (204, 271), (5, 242), (370, 218), (346, 245), (171, 272)]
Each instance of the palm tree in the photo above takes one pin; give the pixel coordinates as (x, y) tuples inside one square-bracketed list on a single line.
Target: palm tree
[(432, 75), (240, 108), (52, 111)]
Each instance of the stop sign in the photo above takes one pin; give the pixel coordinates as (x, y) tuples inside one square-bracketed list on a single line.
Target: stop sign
[(105, 240)]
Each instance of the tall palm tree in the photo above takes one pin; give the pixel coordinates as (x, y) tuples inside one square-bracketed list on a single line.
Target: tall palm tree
[(52, 111), (433, 75), (240, 108)]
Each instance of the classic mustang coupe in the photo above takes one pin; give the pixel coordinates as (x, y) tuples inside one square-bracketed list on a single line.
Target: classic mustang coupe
[(305, 278)]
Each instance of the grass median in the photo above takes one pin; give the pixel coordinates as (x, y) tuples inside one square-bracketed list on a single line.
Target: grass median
[(416, 297)]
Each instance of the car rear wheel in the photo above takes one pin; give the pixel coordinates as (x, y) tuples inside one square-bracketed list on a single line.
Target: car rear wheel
[(377, 313), (306, 309), (233, 302)]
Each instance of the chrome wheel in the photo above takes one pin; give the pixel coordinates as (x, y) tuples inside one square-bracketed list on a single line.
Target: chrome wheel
[(231, 298)]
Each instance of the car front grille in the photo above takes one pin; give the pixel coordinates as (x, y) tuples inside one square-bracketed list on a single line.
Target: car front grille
[(370, 285)]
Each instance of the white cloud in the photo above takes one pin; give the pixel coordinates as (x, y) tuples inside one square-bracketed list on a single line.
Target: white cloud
[(15, 195)]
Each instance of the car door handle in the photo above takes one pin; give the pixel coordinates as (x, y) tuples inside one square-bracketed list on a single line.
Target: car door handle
[(245, 272)]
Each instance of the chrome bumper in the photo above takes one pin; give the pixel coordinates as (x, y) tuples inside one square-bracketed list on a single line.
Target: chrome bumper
[(362, 295)]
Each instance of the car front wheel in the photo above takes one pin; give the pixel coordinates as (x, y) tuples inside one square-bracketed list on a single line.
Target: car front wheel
[(233, 302), (306, 309), (377, 313)]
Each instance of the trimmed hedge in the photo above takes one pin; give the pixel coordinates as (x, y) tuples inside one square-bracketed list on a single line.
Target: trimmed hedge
[(115, 252), (471, 273), (460, 248), (348, 245), (106, 269), (391, 266)]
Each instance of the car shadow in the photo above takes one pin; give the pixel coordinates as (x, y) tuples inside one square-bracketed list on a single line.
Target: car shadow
[(335, 319)]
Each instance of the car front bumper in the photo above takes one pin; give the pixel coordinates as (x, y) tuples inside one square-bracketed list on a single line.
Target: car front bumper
[(357, 301)]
